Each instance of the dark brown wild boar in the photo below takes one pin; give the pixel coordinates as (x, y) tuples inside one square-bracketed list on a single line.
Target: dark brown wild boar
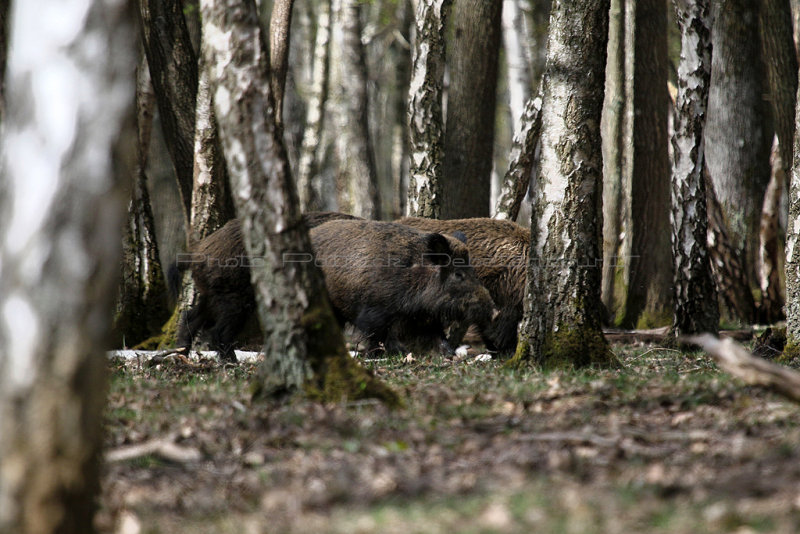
[(221, 274), (499, 252), (225, 299), (393, 282)]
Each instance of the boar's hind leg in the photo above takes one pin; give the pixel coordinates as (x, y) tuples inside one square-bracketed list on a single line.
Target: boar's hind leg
[(191, 322), (230, 316), (374, 324)]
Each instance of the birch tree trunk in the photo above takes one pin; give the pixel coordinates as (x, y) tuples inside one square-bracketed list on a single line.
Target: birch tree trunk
[(173, 68), (520, 82), (308, 185), (142, 304), (469, 133), (69, 135), (304, 346), (561, 323), (613, 139), (695, 307), (356, 159), (425, 121), (524, 153), (647, 250), (792, 249), (280, 24)]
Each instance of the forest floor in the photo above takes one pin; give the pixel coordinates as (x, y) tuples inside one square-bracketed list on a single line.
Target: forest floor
[(667, 443)]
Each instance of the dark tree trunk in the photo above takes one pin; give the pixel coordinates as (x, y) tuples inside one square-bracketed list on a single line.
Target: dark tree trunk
[(356, 160), (647, 250), (425, 124), (738, 134), (173, 68), (781, 64), (60, 262), (561, 323), (304, 346), (695, 306), (469, 129)]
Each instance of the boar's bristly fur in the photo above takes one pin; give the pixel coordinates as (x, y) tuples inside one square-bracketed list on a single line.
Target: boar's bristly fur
[(499, 252), (392, 281)]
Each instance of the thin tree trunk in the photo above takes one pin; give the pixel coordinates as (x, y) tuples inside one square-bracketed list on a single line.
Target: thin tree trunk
[(612, 126), (469, 133), (781, 65), (142, 304), (515, 39), (695, 306), (647, 248), (524, 153), (304, 346), (60, 225), (792, 249), (425, 124), (173, 67), (212, 205), (561, 323), (5, 9), (770, 251), (353, 145), (310, 154), (279, 26)]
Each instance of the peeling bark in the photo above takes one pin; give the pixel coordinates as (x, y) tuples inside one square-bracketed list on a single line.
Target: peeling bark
[(695, 306), (524, 152), (304, 346), (62, 207), (561, 323), (425, 121)]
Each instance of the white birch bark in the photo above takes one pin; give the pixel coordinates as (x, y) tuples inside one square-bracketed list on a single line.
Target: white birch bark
[(695, 301), (67, 140), (425, 119), (561, 325)]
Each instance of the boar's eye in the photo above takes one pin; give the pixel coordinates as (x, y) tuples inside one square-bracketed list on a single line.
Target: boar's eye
[(459, 275)]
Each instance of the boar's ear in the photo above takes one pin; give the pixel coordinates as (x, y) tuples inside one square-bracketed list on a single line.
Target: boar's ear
[(438, 251), (458, 234)]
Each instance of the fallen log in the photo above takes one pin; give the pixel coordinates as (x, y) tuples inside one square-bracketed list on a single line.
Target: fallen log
[(736, 360)]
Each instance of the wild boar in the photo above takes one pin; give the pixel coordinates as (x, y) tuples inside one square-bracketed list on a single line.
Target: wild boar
[(393, 282), (221, 274), (499, 253), (405, 284)]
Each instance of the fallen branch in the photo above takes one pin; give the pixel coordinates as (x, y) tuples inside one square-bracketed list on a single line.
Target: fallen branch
[(660, 335), (736, 360), (162, 447)]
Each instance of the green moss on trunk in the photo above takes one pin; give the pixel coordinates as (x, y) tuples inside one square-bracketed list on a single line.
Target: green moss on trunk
[(337, 376), (568, 347)]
